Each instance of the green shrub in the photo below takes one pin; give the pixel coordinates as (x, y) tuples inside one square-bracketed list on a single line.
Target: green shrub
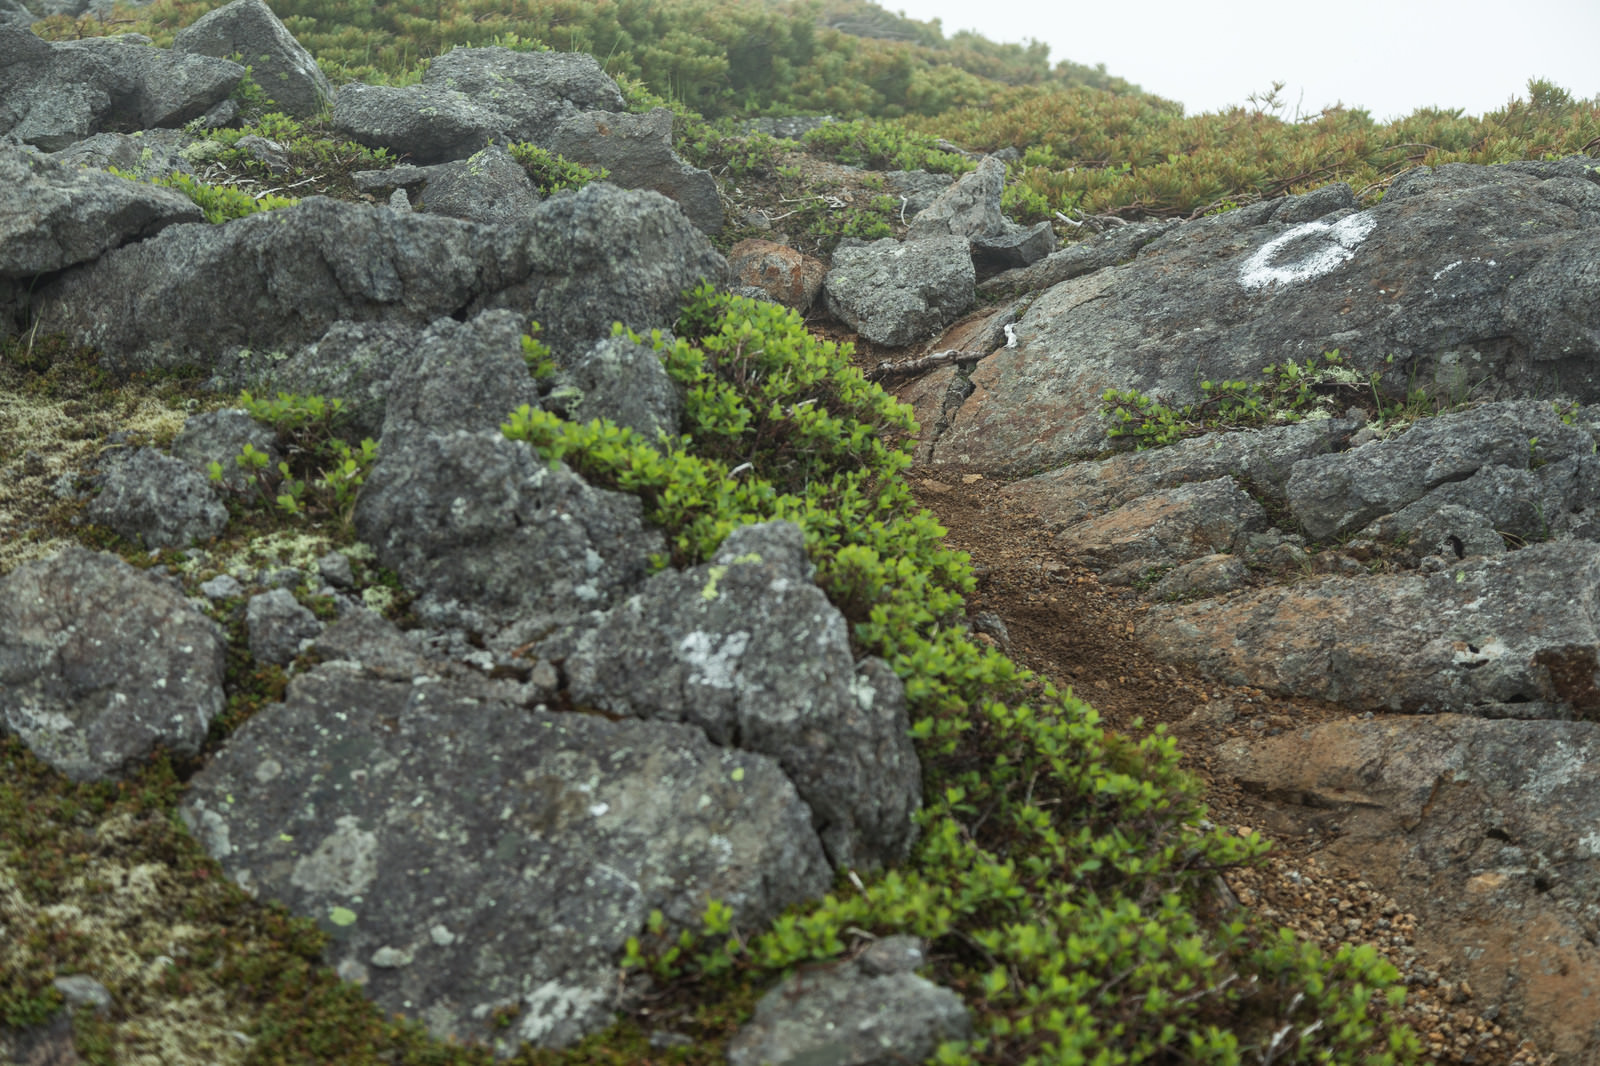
[(1061, 867), (551, 172), (220, 203)]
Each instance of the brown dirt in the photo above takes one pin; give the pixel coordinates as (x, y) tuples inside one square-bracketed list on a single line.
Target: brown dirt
[(1061, 622)]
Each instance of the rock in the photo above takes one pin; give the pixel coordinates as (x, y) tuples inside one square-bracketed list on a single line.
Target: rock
[(1335, 494), (470, 96), (1111, 248), (93, 692), (220, 436), (1264, 458), (424, 123), (282, 68), (1209, 575), (353, 361), (279, 279), (13, 11), (334, 568), (150, 87), (1513, 635), (278, 625), (469, 856), (158, 501), (460, 375), (874, 1011), (782, 274), (487, 186), (1484, 829), (624, 382), (1473, 279), (146, 155), (971, 208), (636, 150), (1165, 528), (749, 650), (489, 533), (58, 216), (917, 189), (897, 294)]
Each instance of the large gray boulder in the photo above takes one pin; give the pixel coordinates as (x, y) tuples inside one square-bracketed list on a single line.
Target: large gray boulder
[(1473, 279), (155, 500), (1117, 245), (871, 1011), (52, 94), (1515, 635), (351, 360), (749, 650), (94, 691), (279, 279), (1163, 529), (54, 216), (487, 186), (637, 152), (470, 857), (470, 96), (489, 534), (278, 63), (897, 294)]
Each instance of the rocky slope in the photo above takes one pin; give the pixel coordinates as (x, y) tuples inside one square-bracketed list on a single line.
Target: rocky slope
[(480, 857)]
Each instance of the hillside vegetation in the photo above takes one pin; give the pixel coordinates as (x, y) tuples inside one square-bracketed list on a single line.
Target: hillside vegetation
[(1067, 875)]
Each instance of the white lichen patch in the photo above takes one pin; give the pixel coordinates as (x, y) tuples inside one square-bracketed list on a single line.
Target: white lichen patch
[(344, 863), (713, 661), (120, 910), (60, 439)]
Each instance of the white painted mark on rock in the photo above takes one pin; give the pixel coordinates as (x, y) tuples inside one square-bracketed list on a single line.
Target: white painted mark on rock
[(1327, 245)]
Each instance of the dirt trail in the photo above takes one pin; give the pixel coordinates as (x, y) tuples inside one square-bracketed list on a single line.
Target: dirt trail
[(1061, 622)]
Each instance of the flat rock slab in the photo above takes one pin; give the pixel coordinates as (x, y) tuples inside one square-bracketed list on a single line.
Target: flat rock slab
[(1467, 276), (1163, 529), (1487, 828), (468, 855), (94, 691), (1513, 635)]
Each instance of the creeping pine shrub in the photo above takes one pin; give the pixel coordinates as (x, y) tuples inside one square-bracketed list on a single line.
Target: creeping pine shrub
[(1061, 867), (323, 471)]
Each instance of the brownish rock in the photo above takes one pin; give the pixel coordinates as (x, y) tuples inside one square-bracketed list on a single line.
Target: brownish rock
[(1486, 828), (786, 275)]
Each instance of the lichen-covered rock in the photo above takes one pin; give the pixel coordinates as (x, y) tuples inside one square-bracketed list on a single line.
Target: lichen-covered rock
[(1438, 461), (487, 186), (1512, 635), (154, 87), (625, 382), (1485, 831), (749, 650), (971, 208), (460, 375), (279, 279), (470, 96), (1264, 457), (781, 273), (1477, 279), (1165, 528), (467, 855), (56, 216), (158, 501), (278, 63), (636, 151), (896, 294), (489, 534), (94, 691), (220, 436), (873, 1011), (353, 361), (277, 625)]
